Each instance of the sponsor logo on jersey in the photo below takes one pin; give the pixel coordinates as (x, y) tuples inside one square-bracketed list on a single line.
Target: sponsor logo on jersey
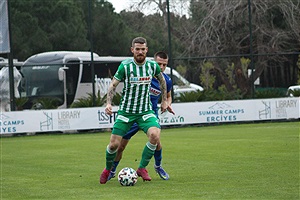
[(154, 92), (140, 80)]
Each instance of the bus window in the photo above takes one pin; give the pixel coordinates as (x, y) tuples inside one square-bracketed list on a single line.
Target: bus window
[(43, 82), (106, 70), (86, 73), (101, 69), (72, 77)]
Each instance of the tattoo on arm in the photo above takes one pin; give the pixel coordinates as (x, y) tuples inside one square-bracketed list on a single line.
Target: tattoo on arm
[(111, 90), (163, 86)]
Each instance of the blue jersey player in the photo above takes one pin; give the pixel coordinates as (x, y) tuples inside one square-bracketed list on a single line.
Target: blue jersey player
[(162, 59)]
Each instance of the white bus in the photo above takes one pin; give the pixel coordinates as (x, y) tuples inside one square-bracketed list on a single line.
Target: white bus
[(67, 76), (64, 75)]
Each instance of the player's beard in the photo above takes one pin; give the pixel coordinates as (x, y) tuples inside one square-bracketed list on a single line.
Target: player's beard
[(140, 59)]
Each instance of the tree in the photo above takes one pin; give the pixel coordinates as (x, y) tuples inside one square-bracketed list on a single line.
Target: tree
[(154, 24), (151, 27), (222, 28), (67, 29), (27, 36), (110, 34), (42, 25)]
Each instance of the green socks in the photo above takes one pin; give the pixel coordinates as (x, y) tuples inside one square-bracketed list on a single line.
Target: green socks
[(110, 156), (147, 154)]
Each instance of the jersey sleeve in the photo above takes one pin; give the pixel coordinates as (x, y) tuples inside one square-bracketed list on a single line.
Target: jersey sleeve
[(120, 73), (157, 68), (168, 82)]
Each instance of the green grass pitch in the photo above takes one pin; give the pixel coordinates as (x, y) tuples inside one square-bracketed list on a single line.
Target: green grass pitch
[(231, 161)]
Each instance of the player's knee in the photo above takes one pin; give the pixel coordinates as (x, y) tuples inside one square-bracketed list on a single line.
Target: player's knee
[(115, 141), (113, 146), (154, 134)]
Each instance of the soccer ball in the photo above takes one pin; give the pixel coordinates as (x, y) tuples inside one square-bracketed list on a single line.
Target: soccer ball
[(127, 177)]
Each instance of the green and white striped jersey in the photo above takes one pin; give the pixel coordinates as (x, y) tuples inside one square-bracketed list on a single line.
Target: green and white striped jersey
[(137, 81)]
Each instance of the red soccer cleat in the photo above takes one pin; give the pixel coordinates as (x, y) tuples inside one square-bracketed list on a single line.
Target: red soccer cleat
[(142, 172), (104, 176)]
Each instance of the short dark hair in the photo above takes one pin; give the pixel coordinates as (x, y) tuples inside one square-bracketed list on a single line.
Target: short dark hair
[(161, 54), (139, 40)]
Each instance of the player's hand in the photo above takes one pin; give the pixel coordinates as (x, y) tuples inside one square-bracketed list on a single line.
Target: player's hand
[(170, 110), (163, 106), (108, 109)]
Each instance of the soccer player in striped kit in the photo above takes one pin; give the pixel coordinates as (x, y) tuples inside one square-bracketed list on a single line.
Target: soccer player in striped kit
[(135, 105), (162, 59)]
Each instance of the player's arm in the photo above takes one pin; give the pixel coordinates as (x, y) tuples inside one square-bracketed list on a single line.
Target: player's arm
[(110, 94), (169, 98), (163, 89), (169, 101)]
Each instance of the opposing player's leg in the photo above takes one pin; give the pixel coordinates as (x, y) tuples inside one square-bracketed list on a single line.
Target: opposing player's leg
[(150, 125), (125, 139), (157, 166)]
